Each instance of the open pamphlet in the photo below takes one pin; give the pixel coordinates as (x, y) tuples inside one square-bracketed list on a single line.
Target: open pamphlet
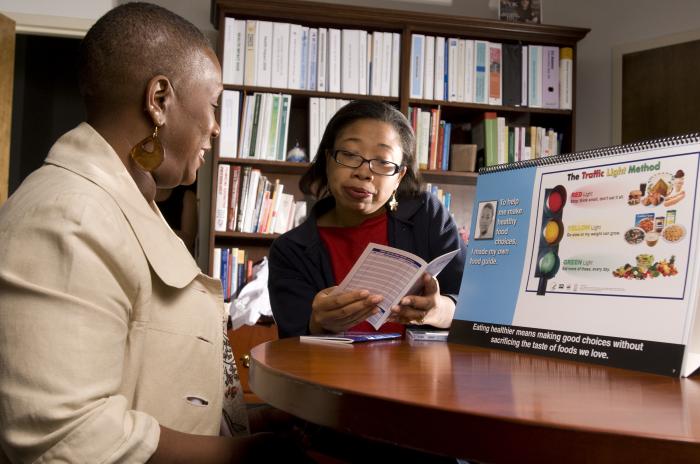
[(351, 337), (392, 273), (590, 256)]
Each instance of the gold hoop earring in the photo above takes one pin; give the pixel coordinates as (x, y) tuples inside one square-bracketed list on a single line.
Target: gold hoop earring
[(146, 159), (393, 203)]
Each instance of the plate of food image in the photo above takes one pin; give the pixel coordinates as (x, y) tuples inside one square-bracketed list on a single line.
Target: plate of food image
[(673, 233), (634, 236), (660, 186)]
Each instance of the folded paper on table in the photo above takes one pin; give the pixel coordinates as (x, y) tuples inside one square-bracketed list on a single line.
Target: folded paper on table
[(351, 337)]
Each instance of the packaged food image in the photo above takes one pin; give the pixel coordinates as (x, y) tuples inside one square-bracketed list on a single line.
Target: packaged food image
[(659, 223), (644, 221), (670, 217)]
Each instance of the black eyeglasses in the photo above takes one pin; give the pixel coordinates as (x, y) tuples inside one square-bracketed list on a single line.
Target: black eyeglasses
[(376, 165)]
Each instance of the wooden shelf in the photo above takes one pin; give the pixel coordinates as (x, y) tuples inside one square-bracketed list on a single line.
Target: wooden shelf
[(450, 177), (484, 107), (246, 236), (275, 167), (310, 93)]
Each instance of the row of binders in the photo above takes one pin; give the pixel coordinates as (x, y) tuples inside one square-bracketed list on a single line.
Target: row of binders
[(264, 125), (478, 71), (501, 143), (248, 201), (234, 268), (291, 56)]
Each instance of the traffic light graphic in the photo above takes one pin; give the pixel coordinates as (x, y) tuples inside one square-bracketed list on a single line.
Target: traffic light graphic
[(552, 233)]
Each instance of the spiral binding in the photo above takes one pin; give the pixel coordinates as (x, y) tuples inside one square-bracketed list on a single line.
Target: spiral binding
[(596, 153)]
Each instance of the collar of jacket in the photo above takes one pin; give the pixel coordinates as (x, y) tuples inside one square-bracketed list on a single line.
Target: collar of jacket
[(307, 233), (84, 152)]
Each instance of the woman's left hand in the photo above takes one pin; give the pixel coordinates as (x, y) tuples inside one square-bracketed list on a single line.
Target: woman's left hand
[(430, 308)]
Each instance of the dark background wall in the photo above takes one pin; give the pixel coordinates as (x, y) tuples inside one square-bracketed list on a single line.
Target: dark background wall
[(46, 101)]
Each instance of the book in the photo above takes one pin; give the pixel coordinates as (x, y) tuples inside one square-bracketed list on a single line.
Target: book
[(234, 51), (415, 334), (263, 59), (439, 69), (495, 64), (222, 194), (280, 55), (395, 62), (392, 273), (294, 74), (566, 78), (512, 74), (376, 64), (228, 137), (304, 67), (592, 257), (250, 52), (417, 56), (550, 77), (312, 73), (534, 76), (351, 337), (429, 68), (322, 63), (334, 60), (481, 71)]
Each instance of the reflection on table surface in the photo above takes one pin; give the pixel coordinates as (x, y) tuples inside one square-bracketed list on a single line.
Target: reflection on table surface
[(494, 384)]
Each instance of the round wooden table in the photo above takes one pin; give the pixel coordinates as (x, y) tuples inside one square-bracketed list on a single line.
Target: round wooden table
[(488, 405)]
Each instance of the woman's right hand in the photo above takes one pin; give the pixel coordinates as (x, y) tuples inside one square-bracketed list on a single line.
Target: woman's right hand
[(337, 313)]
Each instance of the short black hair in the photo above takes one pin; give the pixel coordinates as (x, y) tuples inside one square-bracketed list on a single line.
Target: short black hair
[(315, 181), (128, 46)]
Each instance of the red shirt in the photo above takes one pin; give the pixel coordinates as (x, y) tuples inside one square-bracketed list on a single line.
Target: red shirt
[(345, 245)]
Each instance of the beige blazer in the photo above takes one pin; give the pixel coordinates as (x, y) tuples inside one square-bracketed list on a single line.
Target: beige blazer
[(107, 326)]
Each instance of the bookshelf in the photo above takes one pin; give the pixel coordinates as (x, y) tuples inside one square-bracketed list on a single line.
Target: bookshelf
[(400, 26)]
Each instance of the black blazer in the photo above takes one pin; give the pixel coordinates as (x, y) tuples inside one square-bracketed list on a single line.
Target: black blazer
[(300, 266)]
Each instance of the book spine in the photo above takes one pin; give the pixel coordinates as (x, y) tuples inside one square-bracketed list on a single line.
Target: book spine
[(439, 69), (550, 77), (312, 73), (469, 71), (429, 68), (284, 127), (495, 64), (280, 55), (566, 78), (322, 59), (294, 74), (395, 63), (481, 89), (304, 65), (334, 58), (453, 46), (362, 50), (228, 137), (221, 208), (234, 189), (387, 47), (249, 75), (417, 54), (375, 72), (263, 60)]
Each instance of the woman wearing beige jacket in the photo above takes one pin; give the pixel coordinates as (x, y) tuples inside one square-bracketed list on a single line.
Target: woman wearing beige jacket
[(112, 342)]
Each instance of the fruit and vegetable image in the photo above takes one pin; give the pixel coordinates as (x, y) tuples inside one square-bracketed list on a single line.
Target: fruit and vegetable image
[(647, 268)]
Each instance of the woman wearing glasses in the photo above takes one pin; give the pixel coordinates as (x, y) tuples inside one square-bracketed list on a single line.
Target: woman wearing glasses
[(366, 182)]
